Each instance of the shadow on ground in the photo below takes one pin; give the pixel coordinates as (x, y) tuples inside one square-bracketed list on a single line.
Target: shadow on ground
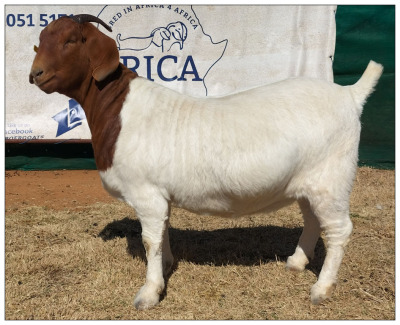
[(238, 246)]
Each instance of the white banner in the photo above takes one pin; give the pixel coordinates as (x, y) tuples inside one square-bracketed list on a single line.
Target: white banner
[(197, 50)]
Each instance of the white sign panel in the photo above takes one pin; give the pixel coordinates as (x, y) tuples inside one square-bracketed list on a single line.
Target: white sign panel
[(197, 50)]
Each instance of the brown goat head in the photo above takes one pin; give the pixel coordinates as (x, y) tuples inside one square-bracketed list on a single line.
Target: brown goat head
[(67, 43)]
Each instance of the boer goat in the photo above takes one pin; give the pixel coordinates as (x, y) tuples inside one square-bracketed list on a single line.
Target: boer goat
[(255, 151)]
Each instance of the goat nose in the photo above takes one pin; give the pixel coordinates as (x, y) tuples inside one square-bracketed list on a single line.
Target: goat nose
[(35, 73)]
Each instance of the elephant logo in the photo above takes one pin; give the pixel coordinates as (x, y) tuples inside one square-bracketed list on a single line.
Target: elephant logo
[(174, 34)]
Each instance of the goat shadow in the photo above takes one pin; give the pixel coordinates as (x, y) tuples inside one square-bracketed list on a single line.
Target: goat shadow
[(239, 246)]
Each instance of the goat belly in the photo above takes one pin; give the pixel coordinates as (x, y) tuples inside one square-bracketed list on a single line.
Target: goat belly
[(201, 200), (230, 206)]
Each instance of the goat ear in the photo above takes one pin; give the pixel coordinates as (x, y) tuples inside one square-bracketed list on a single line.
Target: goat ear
[(102, 51)]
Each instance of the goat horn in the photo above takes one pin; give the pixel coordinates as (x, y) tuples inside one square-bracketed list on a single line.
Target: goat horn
[(90, 18)]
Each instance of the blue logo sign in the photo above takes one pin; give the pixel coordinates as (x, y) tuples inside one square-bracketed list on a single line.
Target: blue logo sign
[(69, 118)]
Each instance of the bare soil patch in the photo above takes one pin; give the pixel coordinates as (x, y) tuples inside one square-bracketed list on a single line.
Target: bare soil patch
[(73, 252), (54, 189)]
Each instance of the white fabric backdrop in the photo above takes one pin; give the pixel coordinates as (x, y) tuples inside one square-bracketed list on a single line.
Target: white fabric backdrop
[(198, 50)]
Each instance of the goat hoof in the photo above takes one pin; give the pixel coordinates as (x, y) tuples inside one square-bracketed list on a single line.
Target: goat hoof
[(146, 299), (142, 304), (295, 266), (319, 292)]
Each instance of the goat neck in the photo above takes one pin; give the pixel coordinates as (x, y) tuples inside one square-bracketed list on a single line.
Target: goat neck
[(102, 105)]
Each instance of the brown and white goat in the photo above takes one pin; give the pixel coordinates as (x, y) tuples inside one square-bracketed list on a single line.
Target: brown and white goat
[(255, 151)]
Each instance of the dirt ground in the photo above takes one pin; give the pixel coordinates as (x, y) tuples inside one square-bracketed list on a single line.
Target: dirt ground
[(73, 252), (54, 189)]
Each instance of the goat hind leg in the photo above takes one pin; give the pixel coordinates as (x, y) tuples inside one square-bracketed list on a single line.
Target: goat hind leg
[(337, 232), (305, 249)]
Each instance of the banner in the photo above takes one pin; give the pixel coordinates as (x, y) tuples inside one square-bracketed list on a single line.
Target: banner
[(202, 51)]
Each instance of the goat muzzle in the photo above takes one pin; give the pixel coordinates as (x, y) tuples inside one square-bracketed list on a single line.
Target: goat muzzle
[(35, 75)]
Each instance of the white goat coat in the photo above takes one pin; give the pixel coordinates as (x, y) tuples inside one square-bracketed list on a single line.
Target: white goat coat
[(249, 152)]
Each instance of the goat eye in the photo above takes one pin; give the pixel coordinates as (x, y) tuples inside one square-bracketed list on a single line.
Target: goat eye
[(69, 42)]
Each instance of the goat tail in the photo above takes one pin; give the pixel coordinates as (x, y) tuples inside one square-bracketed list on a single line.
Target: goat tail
[(364, 87)]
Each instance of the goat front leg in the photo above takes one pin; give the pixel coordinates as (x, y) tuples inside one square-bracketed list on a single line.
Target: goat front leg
[(153, 216)]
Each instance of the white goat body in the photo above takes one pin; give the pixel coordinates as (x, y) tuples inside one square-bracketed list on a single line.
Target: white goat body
[(254, 151), (239, 154), (249, 152)]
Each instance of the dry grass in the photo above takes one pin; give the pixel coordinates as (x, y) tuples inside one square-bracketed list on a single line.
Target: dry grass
[(88, 263)]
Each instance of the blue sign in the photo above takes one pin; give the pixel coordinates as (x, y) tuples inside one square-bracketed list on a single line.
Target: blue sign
[(69, 118)]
